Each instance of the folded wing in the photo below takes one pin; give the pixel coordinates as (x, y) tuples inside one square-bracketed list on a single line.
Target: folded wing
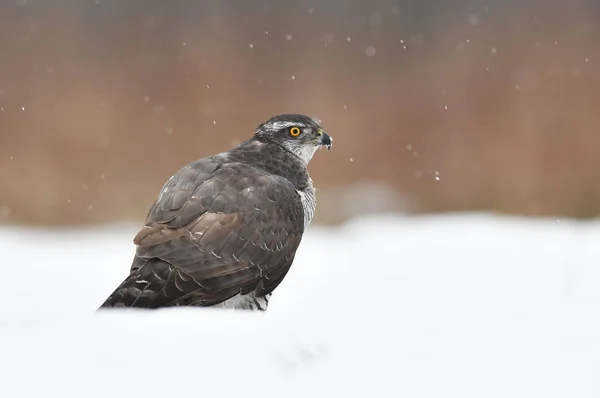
[(216, 230)]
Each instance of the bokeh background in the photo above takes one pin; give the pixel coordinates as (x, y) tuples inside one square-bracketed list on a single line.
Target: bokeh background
[(434, 105)]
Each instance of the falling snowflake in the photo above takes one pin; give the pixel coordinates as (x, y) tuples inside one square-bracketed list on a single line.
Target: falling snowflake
[(473, 19)]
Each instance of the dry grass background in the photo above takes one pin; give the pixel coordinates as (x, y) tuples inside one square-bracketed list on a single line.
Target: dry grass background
[(102, 100)]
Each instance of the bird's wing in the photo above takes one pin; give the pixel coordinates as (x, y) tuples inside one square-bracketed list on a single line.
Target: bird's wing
[(216, 230)]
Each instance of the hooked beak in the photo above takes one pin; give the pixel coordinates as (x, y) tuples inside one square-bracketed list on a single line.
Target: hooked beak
[(325, 139)]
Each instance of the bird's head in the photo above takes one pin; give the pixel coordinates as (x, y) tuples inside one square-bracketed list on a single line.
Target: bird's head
[(299, 134)]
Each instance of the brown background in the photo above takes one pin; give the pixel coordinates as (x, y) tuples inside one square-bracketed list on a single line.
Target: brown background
[(101, 101)]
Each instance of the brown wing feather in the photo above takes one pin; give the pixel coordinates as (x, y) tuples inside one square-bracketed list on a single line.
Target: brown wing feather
[(215, 230)]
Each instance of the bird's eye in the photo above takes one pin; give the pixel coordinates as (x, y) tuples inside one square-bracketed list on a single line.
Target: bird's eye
[(294, 131)]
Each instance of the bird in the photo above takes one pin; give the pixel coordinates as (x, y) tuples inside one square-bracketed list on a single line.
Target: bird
[(224, 229)]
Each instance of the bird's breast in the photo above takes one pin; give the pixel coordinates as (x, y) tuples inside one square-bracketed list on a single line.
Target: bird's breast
[(309, 203)]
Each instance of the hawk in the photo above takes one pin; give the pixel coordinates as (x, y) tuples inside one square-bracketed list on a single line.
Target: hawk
[(224, 229)]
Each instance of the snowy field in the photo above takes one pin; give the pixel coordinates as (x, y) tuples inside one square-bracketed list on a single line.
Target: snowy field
[(446, 306)]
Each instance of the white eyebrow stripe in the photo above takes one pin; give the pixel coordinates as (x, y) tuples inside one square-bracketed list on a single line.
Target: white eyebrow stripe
[(281, 125)]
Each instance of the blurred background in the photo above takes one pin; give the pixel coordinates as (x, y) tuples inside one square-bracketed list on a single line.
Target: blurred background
[(434, 106)]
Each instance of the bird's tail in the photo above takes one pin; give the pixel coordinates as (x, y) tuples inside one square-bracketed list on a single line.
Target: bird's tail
[(143, 288)]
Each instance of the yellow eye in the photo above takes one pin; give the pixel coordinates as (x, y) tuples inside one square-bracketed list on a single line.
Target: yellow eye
[(294, 131)]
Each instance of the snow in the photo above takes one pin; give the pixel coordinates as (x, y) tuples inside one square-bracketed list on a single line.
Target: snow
[(466, 305)]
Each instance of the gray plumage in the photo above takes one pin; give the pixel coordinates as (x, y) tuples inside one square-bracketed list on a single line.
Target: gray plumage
[(224, 229)]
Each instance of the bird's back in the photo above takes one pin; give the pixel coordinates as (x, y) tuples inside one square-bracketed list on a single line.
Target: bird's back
[(220, 227)]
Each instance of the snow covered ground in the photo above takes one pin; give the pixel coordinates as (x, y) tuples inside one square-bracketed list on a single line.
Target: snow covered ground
[(442, 306)]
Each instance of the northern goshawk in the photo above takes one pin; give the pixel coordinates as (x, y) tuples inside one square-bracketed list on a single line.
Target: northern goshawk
[(225, 229)]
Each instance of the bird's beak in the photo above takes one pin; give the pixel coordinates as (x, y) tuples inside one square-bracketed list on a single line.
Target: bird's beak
[(325, 139)]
